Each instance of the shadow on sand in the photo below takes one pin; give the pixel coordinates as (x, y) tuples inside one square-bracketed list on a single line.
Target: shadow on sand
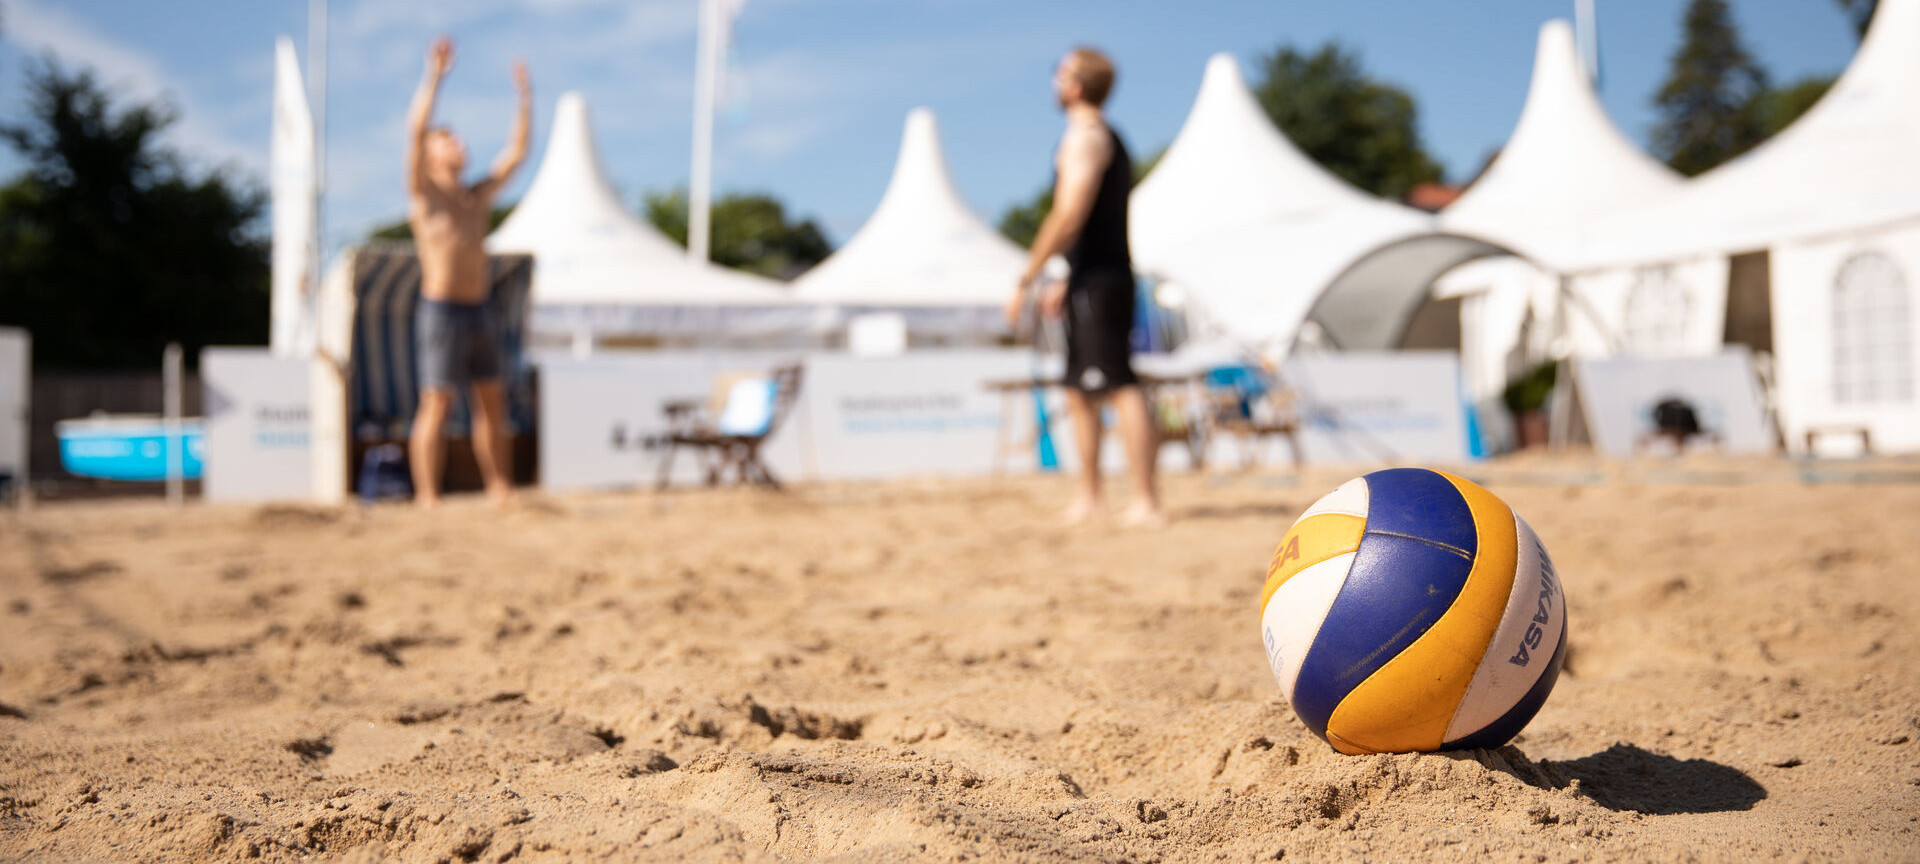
[(1626, 777)]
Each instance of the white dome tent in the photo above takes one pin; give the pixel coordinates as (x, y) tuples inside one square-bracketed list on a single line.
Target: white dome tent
[(1830, 210), (1250, 228), (600, 270), (923, 253)]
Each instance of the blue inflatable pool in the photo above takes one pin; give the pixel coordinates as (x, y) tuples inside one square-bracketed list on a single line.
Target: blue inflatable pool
[(127, 447)]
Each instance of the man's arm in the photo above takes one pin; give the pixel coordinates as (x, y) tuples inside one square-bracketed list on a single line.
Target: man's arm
[(420, 114), (518, 141), (1083, 159)]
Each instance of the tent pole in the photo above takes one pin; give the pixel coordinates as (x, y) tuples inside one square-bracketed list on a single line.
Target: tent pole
[(175, 443), (317, 80), (700, 185)]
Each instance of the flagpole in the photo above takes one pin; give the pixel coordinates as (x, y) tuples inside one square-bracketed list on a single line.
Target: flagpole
[(700, 185), (1587, 30), (317, 81)]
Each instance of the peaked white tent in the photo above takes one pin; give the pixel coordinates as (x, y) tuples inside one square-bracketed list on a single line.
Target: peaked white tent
[(1249, 227), (600, 269), (1849, 163), (923, 252), (1564, 163), (1828, 213)]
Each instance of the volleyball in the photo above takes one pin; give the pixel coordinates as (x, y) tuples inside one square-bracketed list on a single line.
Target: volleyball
[(1412, 610)]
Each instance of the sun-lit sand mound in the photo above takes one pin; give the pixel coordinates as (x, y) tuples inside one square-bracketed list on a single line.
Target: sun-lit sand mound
[(926, 671)]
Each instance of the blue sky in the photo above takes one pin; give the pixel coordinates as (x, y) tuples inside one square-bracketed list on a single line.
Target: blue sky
[(821, 87)]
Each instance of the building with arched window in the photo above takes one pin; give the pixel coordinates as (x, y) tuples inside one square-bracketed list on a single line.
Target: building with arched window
[(1872, 332)]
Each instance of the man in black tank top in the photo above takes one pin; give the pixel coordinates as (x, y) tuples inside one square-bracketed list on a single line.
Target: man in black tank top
[(1088, 225)]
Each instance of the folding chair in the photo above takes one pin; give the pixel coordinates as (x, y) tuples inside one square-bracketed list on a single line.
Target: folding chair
[(1249, 403), (729, 429)]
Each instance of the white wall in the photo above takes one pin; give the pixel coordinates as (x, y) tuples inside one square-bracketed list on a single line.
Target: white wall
[(1803, 277), (1598, 311), (16, 388)]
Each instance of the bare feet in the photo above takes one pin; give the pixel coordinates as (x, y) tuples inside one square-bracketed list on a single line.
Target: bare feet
[(426, 502), (1143, 515), (503, 498), (1083, 509)]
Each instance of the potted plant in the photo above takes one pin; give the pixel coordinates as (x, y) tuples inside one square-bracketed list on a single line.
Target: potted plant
[(1526, 399)]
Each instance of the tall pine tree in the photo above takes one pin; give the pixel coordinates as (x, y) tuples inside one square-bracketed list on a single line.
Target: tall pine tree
[(1710, 105)]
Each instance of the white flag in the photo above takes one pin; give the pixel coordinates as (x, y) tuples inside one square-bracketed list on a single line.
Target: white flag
[(294, 191)]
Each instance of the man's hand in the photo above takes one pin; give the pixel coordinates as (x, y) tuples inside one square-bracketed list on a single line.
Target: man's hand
[(440, 57), (521, 81), (1016, 304), (1053, 299)]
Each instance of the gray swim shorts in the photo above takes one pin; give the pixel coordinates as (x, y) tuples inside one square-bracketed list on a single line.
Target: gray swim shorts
[(458, 344)]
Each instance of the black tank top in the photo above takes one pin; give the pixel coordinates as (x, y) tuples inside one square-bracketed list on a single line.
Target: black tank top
[(1101, 247)]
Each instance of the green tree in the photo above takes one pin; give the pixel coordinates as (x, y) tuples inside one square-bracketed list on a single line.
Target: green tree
[(1712, 106), (1778, 107), (1021, 222), (1363, 130), (401, 230), (750, 232), (109, 246)]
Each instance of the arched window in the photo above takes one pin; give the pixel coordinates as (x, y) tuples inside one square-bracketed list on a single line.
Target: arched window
[(1872, 332), (1657, 313)]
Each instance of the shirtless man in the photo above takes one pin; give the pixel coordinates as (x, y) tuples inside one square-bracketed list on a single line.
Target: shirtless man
[(458, 338), (1088, 224)]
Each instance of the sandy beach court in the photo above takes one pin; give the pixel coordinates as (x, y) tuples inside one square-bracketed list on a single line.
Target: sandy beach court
[(924, 671)]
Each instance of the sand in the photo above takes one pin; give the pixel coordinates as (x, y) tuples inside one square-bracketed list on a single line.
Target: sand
[(924, 671)]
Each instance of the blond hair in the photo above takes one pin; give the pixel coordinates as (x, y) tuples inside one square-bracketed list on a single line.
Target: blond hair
[(1094, 72)]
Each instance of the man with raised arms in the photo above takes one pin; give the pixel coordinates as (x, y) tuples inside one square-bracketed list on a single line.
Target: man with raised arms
[(458, 338)]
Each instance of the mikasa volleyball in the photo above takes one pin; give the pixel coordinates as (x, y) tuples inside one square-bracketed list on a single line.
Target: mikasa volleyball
[(1411, 610)]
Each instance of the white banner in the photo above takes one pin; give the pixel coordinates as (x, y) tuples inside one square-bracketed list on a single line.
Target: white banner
[(917, 414), (1364, 408), (256, 407), (1618, 396)]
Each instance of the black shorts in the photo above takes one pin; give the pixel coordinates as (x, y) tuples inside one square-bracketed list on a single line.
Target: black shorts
[(1100, 332), (458, 344)]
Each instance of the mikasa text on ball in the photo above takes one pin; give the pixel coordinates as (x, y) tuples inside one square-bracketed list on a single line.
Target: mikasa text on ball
[(1411, 610)]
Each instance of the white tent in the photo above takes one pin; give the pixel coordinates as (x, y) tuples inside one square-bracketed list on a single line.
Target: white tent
[(599, 268), (923, 253), (1849, 163), (1248, 226), (1833, 202), (1564, 163)]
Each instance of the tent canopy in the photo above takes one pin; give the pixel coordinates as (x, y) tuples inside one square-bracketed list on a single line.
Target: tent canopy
[(589, 249), (1565, 162), (922, 247), (1848, 164), (1251, 228)]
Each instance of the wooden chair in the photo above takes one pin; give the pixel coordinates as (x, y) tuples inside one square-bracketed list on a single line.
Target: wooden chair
[(728, 429), (1250, 404)]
